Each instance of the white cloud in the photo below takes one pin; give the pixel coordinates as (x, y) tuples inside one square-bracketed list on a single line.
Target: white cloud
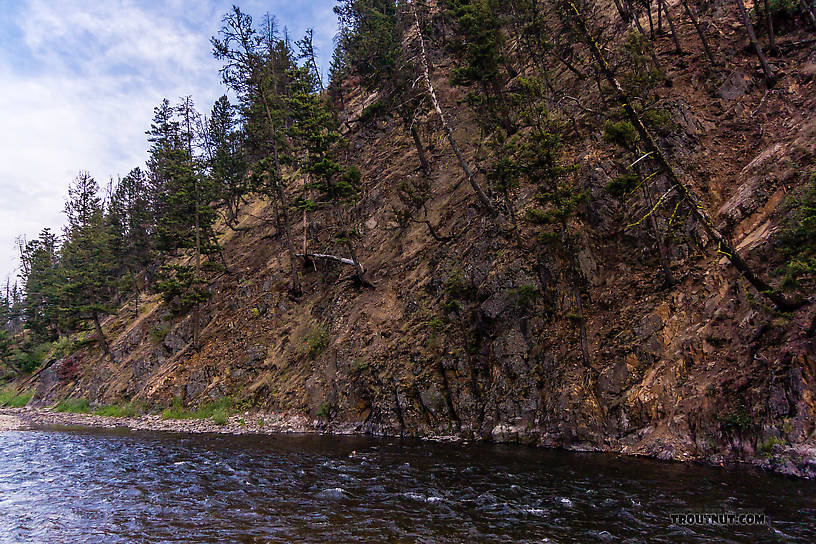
[(79, 84), (80, 95)]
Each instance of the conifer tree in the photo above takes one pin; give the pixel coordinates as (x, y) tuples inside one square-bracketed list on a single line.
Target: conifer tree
[(41, 301), (183, 198), (256, 67), (131, 228), (371, 47), (87, 263), (226, 161)]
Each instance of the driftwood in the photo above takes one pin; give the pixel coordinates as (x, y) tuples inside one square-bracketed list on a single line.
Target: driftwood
[(334, 258), (359, 271)]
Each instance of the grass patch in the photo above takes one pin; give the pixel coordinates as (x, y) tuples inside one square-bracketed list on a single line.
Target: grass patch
[(74, 406), (119, 410), (218, 411), (766, 447), (177, 411), (10, 398), (6, 395), (18, 401)]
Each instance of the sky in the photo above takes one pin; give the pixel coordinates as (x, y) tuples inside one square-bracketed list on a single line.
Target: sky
[(79, 80)]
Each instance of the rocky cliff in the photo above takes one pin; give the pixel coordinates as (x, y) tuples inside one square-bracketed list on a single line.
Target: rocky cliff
[(469, 328)]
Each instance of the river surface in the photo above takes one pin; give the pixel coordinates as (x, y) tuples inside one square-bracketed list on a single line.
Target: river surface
[(73, 485)]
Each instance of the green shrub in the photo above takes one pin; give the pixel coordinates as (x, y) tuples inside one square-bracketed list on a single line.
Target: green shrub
[(62, 347), (766, 447), (458, 286), (451, 306), (622, 133), (659, 120), (737, 421), (359, 365), (159, 333), (526, 295), (622, 185), (798, 236), (31, 357), (316, 340), (220, 417), (437, 324), (325, 411), (74, 406), (786, 8), (372, 111)]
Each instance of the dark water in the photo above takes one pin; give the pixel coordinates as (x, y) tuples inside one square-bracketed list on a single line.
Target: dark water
[(115, 486)]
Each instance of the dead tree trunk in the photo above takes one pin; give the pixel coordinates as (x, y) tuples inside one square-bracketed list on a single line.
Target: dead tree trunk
[(358, 268), (668, 278), (103, 342), (769, 23), (577, 296), (659, 17), (624, 13), (665, 6), (296, 290), (770, 79), (696, 208), (423, 160), (483, 198), (700, 32), (642, 32)]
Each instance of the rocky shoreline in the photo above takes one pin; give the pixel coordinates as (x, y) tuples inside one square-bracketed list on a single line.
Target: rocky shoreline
[(796, 461), (255, 423)]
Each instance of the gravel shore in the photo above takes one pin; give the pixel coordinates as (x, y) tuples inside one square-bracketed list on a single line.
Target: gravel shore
[(255, 423)]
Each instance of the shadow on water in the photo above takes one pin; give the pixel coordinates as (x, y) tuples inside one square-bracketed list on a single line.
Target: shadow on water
[(68, 485)]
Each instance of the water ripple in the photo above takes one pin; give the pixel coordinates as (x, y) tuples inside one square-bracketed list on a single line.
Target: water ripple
[(116, 486)]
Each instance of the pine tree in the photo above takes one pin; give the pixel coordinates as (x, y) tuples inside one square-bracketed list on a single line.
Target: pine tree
[(131, 228), (371, 47), (183, 197), (226, 162), (87, 264), (257, 67), (478, 45), (41, 301)]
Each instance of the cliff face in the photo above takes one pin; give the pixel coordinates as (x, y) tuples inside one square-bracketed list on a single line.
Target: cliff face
[(470, 330)]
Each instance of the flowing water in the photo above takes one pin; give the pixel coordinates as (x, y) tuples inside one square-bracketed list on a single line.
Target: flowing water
[(74, 485)]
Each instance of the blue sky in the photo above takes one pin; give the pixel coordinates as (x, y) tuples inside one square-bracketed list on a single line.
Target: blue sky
[(79, 80)]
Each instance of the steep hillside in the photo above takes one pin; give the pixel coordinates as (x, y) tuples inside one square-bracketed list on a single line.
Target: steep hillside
[(470, 329)]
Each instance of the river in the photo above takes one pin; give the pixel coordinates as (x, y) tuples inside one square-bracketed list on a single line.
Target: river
[(82, 485)]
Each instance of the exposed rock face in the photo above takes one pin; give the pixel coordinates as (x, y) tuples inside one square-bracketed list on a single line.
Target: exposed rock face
[(478, 336)]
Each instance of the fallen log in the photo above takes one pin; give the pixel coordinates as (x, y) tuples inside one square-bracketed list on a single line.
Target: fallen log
[(334, 258)]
